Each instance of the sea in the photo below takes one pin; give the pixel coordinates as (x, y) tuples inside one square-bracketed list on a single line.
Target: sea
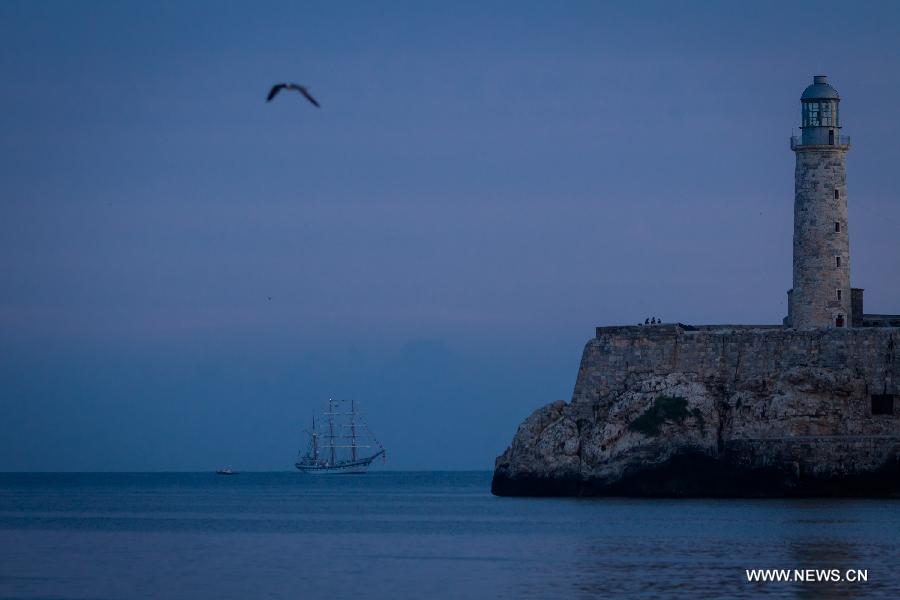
[(421, 535)]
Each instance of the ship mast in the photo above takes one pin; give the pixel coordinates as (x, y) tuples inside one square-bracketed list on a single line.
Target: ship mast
[(315, 441), (353, 429), (331, 428)]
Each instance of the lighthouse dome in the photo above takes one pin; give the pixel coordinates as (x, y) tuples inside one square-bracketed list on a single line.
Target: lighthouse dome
[(820, 90)]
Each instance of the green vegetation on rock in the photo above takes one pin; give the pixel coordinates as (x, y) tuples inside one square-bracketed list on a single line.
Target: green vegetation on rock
[(664, 408)]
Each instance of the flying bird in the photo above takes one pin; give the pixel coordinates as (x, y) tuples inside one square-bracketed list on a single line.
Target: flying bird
[(291, 86)]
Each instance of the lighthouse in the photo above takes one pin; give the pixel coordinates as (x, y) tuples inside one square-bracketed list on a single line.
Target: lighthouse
[(821, 296)]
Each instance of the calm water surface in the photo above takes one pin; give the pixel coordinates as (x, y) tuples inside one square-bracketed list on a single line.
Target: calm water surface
[(415, 535)]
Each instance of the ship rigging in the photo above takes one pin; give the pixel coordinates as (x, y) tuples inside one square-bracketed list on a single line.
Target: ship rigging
[(342, 444)]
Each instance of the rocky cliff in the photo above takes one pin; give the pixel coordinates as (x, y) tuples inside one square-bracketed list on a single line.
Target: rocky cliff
[(675, 410)]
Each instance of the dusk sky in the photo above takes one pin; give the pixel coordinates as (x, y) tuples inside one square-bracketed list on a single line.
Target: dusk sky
[(484, 184)]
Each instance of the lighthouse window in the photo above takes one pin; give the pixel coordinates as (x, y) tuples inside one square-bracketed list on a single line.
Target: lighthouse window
[(839, 295), (882, 404), (826, 114), (812, 114), (837, 227), (837, 194), (837, 262)]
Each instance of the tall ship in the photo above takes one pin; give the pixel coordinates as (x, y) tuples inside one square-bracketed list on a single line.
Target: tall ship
[(340, 442)]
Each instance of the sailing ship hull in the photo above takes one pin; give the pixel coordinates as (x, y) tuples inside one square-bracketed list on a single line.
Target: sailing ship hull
[(357, 467), (335, 470)]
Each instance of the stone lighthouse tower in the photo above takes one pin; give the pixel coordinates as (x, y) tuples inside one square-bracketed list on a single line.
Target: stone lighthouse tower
[(821, 296)]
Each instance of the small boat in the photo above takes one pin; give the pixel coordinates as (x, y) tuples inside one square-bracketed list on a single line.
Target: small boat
[(226, 471), (343, 446)]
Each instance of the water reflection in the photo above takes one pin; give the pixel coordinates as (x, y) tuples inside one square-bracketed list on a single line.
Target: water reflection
[(831, 558), (703, 548)]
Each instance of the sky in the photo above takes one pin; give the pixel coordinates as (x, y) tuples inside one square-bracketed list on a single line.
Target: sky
[(187, 273)]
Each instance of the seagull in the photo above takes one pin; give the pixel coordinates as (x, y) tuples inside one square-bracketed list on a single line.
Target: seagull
[(291, 86)]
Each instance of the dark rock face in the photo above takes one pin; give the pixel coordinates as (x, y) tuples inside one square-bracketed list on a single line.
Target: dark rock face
[(677, 411), (691, 474)]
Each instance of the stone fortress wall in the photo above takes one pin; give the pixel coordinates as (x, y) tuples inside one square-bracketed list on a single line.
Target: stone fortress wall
[(854, 363), (765, 411)]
